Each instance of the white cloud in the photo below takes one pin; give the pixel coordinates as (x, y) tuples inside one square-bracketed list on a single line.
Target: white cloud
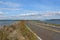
[(27, 14), (10, 4), (51, 14), (10, 8), (48, 14), (30, 16), (1, 13)]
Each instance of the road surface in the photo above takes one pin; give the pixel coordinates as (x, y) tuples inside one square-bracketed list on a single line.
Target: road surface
[(43, 31)]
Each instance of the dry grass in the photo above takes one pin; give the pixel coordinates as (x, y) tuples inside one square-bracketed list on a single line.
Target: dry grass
[(10, 33)]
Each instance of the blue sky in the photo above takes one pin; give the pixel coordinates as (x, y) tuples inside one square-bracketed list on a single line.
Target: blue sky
[(29, 9)]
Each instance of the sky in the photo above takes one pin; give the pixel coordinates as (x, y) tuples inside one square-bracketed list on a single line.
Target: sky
[(29, 9)]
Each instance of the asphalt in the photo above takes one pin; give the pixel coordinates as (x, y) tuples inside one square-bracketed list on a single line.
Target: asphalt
[(43, 31)]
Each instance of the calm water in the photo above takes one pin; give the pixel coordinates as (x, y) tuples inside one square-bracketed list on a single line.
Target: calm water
[(6, 22), (53, 22)]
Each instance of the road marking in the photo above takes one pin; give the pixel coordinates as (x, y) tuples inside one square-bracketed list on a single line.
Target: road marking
[(47, 28), (46, 24), (51, 29), (34, 33)]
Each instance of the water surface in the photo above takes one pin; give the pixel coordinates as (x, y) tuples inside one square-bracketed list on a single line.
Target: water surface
[(6, 22)]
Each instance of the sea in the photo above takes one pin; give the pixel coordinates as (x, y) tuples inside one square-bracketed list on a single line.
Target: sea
[(53, 22), (6, 22)]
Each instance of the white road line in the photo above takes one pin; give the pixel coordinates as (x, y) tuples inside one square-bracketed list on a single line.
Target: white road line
[(34, 33)]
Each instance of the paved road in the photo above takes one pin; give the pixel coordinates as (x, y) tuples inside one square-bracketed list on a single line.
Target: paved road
[(43, 31)]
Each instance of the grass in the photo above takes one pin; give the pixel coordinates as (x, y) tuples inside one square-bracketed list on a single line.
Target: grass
[(5, 32), (3, 35)]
